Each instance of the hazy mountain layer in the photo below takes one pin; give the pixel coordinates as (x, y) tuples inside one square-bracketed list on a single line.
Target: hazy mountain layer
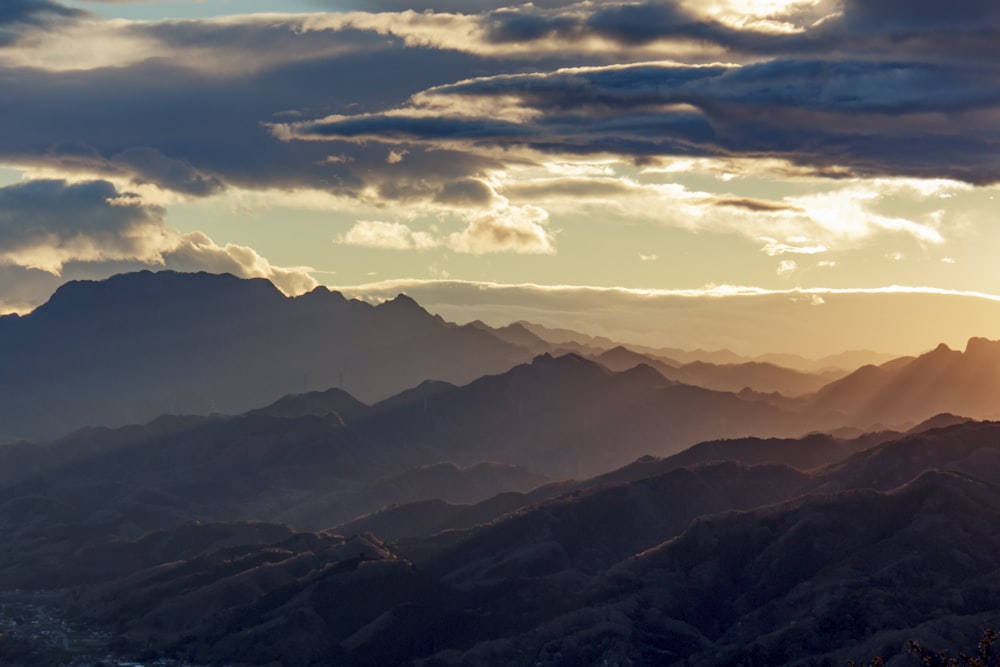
[(138, 345), (715, 564), (912, 389)]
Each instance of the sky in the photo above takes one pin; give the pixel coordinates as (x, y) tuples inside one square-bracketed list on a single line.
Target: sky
[(763, 175)]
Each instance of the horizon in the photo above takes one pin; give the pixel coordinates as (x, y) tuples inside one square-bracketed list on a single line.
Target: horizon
[(659, 162), (629, 320)]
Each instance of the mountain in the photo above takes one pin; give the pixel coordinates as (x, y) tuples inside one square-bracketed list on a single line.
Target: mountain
[(322, 458), (137, 345), (441, 483), (816, 580), (708, 564), (427, 517), (595, 345), (758, 376), (316, 403), (568, 416), (842, 361), (517, 334), (909, 390)]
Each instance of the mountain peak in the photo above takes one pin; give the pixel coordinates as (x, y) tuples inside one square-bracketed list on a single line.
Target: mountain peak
[(144, 290), (403, 308), (982, 347), (401, 301)]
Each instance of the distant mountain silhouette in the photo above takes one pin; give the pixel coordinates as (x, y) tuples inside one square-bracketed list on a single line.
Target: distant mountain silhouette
[(137, 345), (568, 416), (914, 389), (516, 334), (841, 361), (322, 458), (316, 403), (758, 376)]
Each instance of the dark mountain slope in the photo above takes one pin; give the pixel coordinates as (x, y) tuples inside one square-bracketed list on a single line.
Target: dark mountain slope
[(592, 530), (316, 403), (137, 345), (971, 448), (426, 517), (570, 417), (810, 582), (444, 483), (653, 569)]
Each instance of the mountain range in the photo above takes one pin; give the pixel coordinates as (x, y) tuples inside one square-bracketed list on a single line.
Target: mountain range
[(135, 346), (138, 345), (716, 563), (199, 468)]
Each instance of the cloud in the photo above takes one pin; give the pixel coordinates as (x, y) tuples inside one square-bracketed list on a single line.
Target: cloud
[(513, 229), (795, 246), (787, 267), (897, 16), (185, 105), (756, 205), (162, 107), (518, 229), (386, 236), (54, 227), (473, 101), (20, 16), (149, 165), (876, 116), (45, 224)]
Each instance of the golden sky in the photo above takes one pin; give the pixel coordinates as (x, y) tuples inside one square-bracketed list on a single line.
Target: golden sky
[(829, 167)]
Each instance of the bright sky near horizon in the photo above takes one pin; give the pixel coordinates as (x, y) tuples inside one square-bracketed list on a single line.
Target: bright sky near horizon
[(622, 154)]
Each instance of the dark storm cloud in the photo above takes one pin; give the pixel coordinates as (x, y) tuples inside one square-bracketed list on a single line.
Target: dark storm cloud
[(886, 87), (52, 228), (17, 15), (460, 6), (625, 23), (895, 16), (967, 28), (195, 133), (149, 165), (466, 192), (53, 212), (33, 12), (45, 224), (756, 205), (873, 117)]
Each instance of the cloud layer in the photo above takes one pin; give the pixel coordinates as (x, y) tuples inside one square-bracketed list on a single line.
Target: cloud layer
[(468, 130), (52, 230)]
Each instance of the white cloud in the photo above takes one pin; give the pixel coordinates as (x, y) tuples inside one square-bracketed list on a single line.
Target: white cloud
[(515, 229), (387, 236), (787, 267), (396, 156), (518, 229), (56, 227), (795, 246)]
